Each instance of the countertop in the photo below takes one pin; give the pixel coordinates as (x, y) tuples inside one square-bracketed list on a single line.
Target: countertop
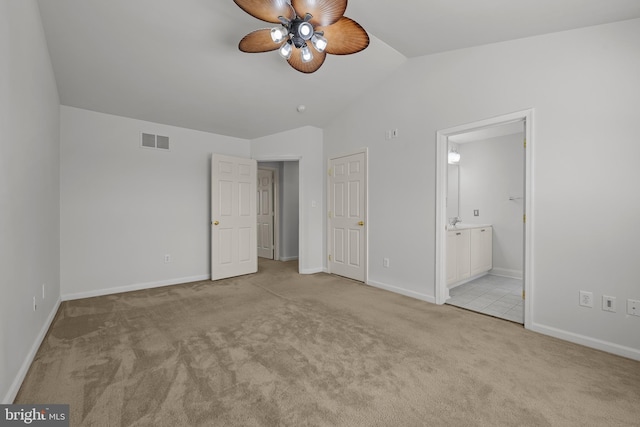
[(465, 226)]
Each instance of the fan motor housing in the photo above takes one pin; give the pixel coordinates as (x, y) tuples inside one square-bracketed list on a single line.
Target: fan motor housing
[(300, 31)]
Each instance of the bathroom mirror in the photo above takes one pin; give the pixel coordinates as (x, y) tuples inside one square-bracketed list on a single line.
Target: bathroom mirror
[(453, 193)]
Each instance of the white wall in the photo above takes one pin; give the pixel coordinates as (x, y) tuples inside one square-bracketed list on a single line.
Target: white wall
[(124, 207), (29, 191), (584, 87), (492, 171), (304, 144)]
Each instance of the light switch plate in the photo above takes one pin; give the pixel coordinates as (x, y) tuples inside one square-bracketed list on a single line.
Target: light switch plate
[(608, 303), (633, 307)]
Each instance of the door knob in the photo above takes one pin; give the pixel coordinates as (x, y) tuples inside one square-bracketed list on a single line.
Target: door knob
[(215, 223), (361, 223)]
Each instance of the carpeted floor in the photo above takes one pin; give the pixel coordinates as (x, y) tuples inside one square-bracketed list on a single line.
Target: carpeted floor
[(279, 349)]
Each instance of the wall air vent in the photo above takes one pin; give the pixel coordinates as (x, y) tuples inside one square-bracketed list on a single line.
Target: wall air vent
[(149, 140)]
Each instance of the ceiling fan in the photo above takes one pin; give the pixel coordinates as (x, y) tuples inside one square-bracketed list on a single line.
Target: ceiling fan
[(319, 23)]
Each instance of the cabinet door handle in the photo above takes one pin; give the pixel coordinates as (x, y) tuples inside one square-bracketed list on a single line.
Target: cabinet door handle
[(458, 234), (482, 230)]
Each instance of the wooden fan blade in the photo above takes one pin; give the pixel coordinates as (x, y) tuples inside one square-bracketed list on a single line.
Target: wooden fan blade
[(267, 10), (306, 67), (258, 41), (345, 37), (324, 12)]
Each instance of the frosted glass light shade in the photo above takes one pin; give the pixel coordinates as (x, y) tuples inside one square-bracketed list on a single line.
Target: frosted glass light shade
[(306, 54), (279, 34), (319, 42), (454, 157), (285, 50), (305, 30)]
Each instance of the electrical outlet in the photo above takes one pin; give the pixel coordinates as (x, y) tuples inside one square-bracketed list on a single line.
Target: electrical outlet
[(385, 262), (633, 307), (167, 258), (609, 303), (476, 212), (586, 299)]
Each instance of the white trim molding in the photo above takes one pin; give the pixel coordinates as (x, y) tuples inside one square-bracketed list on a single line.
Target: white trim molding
[(402, 291), (609, 347), (22, 373), (505, 272), (311, 270), (135, 287)]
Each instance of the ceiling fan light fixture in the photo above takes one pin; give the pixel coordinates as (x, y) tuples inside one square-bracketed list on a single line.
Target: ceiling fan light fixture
[(279, 34), (319, 42), (305, 54), (299, 19), (305, 30), (285, 50)]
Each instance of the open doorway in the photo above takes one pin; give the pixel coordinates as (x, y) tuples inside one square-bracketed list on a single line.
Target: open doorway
[(278, 216), (483, 214), (485, 200)]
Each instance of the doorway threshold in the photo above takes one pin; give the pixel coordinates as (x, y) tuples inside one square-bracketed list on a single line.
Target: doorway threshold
[(495, 296)]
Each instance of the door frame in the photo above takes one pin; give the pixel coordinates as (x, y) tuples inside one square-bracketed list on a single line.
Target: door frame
[(302, 237), (365, 151), (442, 137), (276, 210)]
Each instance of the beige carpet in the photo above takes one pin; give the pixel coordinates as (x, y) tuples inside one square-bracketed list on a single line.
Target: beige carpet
[(279, 349)]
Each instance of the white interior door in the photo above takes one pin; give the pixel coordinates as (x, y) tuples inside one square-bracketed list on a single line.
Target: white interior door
[(233, 222), (347, 212), (264, 201)]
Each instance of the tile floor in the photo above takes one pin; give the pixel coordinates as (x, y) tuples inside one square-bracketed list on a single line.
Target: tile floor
[(493, 295)]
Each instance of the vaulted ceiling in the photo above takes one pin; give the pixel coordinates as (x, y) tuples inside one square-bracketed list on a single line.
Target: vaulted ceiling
[(177, 61)]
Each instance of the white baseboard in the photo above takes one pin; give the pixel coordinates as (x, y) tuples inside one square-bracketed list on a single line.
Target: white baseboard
[(134, 287), (311, 270), (402, 291), (505, 272), (288, 258), (609, 347), (467, 280), (28, 360)]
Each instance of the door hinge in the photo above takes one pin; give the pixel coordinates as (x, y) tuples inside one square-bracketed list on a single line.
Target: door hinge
[(329, 257), (524, 218), (523, 294), (330, 172), (525, 143), (330, 214)]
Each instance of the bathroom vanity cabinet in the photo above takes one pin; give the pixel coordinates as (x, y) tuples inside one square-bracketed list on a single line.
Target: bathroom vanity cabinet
[(458, 255), (469, 252)]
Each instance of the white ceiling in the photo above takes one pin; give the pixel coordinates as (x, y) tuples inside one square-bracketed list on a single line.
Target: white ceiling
[(177, 62)]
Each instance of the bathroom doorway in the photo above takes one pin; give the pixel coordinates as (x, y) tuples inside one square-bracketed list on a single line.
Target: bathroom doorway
[(487, 190)]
